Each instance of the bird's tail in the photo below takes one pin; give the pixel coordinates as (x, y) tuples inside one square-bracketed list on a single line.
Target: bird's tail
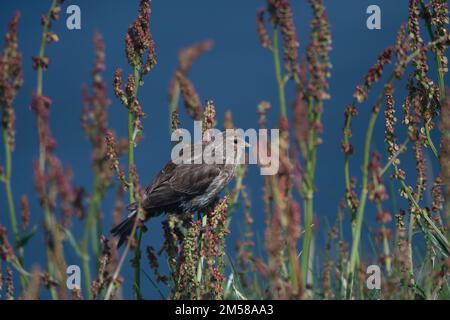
[(124, 229)]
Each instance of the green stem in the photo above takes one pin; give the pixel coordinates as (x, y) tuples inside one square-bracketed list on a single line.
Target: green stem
[(90, 229), (42, 148), (130, 155), (11, 208), (360, 212), (410, 251), (394, 157), (40, 82), (201, 260), (307, 237), (309, 193), (430, 142), (311, 159), (95, 228), (115, 275), (7, 181), (346, 139), (131, 142), (424, 214), (387, 253), (386, 247), (137, 269), (278, 74), (281, 83), (348, 122)]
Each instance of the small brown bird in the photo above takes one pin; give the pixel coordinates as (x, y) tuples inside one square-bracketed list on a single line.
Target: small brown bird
[(188, 187)]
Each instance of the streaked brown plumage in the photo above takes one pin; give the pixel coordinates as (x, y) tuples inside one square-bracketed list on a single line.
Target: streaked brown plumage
[(184, 188)]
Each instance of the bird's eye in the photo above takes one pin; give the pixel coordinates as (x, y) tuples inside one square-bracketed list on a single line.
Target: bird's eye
[(235, 141)]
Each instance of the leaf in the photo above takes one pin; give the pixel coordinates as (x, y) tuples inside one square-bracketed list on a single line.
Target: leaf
[(75, 245), (436, 238), (440, 245), (27, 237)]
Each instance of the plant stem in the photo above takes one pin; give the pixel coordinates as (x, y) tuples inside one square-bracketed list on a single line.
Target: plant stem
[(410, 251), (137, 266), (394, 157), (131, 142), (360, 212), (130, 156), (430, 142), (116, 273), (202, 258), (307, 237), (346, 158), (386, 248), (281, 83), (309, 193), (90, 229), (387, 253), (311, 158), (94, 214), (423, 213), (11, 208), (278, 74), (42, 147)]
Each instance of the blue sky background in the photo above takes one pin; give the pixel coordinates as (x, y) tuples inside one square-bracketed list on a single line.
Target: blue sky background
[(237, 74)]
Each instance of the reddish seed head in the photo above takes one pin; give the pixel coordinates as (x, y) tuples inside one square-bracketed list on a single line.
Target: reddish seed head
[(261, 29)]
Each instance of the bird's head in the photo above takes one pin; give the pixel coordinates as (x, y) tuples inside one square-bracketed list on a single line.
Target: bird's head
[(229, 145)]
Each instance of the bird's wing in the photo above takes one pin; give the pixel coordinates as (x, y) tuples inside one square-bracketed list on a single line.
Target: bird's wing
[(175, 183), (194, 179), (165, 174)]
